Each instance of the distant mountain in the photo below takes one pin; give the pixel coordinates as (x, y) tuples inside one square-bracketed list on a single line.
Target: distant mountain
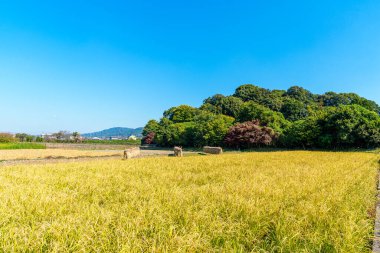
[(115, 132)]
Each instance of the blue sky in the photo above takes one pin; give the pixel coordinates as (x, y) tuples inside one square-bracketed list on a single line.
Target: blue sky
[(89, 65)]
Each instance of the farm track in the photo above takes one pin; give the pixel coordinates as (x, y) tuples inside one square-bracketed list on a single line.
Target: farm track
[(376, 237)]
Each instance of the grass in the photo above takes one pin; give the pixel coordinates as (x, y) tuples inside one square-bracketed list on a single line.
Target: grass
[(28, 154), (22, 145), (250, 202)]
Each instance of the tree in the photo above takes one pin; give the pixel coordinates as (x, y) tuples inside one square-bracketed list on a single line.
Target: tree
[(149, 138), (39, 139), (6, 138), (214, 100), (76, 136), (274, 100), (336, 99), (298, 117), (61, 135), (23, 137), (249, 92), (345, 126), (182, 113), (231, 106), (300, 94), (151, 127), (294, 110), (211, 108), (349, 126), (210, 129), (249, 134), (253, 111), (163, 135), (302, 134), (213, 104)]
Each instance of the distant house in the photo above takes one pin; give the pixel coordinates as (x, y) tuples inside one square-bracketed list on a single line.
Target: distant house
[(96, 138), (49, 137), (132, 138)]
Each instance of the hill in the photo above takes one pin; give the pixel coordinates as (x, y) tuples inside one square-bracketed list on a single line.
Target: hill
[(254, 116), (115, 132)]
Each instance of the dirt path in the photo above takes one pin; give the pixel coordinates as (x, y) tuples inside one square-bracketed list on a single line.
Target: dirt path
[(144, 153)]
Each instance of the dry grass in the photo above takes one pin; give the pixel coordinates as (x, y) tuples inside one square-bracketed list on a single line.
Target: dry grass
[(53, 153), (251, 202)]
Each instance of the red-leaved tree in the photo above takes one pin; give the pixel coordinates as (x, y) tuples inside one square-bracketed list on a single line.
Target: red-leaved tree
[(149, 138), (249, 134)]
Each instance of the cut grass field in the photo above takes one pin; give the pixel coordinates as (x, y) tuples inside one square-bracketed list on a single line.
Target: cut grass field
[(29, 154), (250, 202), (22, 145)]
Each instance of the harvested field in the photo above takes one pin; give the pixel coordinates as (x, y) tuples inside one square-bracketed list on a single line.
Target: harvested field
[(29, 155), (54, 153)]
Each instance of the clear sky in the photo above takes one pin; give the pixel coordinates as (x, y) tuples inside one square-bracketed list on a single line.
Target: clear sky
[(88, 65)]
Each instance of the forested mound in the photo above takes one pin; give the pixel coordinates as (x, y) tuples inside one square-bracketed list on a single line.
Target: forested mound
[(254, 117)]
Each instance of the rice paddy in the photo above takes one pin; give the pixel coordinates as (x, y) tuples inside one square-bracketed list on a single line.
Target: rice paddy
[(250, 202)]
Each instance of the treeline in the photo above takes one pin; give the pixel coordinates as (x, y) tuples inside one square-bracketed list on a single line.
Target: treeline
[(254, 117), (20, 137)]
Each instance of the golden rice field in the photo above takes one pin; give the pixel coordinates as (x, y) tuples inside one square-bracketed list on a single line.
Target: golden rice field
[(17, 154), (249, 202)]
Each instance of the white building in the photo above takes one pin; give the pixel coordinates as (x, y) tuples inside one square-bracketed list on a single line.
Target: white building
[(132, 138)]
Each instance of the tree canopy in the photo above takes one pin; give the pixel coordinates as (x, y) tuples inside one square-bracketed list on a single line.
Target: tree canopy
[(255, 116)]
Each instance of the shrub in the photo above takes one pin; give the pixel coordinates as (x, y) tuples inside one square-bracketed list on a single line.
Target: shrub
[(149, 138), (249, 134)]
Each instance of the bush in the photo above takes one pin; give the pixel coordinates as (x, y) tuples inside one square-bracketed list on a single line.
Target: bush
[(149, 138), (249, 134)]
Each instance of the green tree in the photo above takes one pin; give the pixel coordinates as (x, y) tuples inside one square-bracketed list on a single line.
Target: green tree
[(231, 106), (249, 92), (210, 129), (302, 133), (300, 94), (349, 126), (274, 100), (253, 111), (151, 127), (336, 99), (294, 110), (22, 137), (182, 113), (6, 138), (76, 136)]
